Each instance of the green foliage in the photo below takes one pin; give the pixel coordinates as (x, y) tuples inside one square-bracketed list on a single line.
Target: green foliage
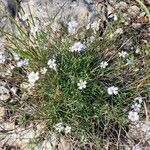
[(57, 97)]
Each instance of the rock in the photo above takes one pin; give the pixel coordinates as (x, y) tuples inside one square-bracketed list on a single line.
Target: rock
[(140, 132), (122, 5), (2, 45), (4, 93), (54, 139), (133, 10), (46, 145), (46, 10), (2, 112), (148, 2), (7, 126), (136, 25), (16, 136), (136, 147), (64, 144)]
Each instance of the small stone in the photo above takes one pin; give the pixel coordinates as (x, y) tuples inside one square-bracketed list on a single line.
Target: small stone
[(54, 139), (136, 147), (46, 145), (134, 11), (136, 25), (64, 144), (122, 5), (2, 112), (141, 132), (4, 93)]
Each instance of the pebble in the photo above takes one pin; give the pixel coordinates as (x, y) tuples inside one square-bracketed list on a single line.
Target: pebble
[(122, 5), (2, 112), (134, 10), (4, 93), (136, 25)]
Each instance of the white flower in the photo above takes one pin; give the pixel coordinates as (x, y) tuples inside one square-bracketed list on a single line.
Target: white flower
[(103, 64), (115, 17), (123, 54), (22, 63), (95, 25), (145, 127), (129, 62), (136, 107), (43, 70), (139, 99), (72, 26), (88, 26), (112, 90), (133, 116), (34, 29), (33, 77), (77, 47), (25, 17), (92, 39), (52, 64), (136, 147), (111, 35), (81, 84), (2, 58), (137, 51), (119, 31), (59, 127), (67, 129)]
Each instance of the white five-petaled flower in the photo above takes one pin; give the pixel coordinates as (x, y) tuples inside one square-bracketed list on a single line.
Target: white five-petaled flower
[(52, 64), (59, 127), (95, 25), (25, 17), (43, 70), (33, 77), (81, 84), (129, 62), (112, 90), (67, 129), (119, 31), (137, 51), (103, 64), (34, 29), (2, 58), (133, 116), (123, 54), (22, 63), (136, 107), (72, 26), (92, 39), (77, 47), (139, 99), (88, 26), (136, 147), (115, 17)]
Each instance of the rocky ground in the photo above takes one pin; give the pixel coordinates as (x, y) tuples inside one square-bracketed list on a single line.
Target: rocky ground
[(14, 136)]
